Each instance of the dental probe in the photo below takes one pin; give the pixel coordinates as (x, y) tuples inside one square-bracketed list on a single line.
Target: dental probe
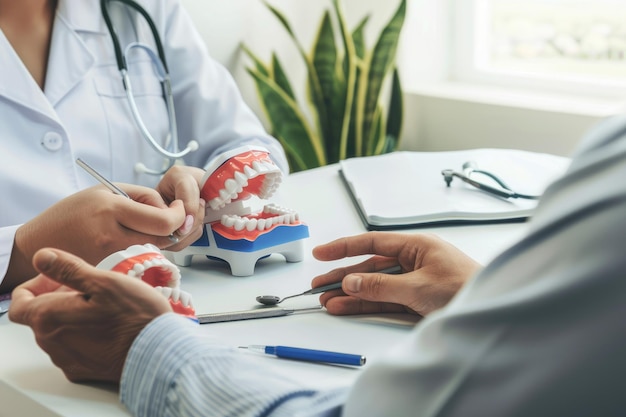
[(258, 313), (272, 300), (114, 188)]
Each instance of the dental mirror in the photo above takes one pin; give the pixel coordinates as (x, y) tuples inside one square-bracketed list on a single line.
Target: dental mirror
[(272, 300)]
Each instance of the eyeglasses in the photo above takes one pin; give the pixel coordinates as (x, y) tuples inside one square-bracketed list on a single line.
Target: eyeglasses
[(470, 168)]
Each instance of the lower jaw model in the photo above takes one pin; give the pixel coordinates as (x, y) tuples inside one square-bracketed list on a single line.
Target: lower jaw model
[(234, 231), (147, 263)]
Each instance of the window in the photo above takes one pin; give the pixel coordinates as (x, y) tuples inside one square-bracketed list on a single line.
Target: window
[(570, 45)]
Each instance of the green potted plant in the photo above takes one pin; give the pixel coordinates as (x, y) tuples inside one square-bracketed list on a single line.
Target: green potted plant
[(348, 114)]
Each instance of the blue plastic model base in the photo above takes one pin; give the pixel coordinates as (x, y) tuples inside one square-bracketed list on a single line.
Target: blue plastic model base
[(243, 254)]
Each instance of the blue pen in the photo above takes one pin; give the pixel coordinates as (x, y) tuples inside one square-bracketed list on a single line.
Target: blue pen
[(309, 355)]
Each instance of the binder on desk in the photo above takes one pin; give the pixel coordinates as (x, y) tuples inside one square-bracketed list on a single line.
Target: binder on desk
[(406, 189)]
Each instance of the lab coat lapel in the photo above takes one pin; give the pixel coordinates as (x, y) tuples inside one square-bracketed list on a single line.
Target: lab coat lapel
[(69, 60), (18, 85)]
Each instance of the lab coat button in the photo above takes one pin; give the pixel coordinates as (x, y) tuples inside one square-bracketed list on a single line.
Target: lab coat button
[(52, 141)]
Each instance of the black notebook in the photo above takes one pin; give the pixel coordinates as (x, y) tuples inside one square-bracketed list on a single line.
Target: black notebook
[(407, 189)]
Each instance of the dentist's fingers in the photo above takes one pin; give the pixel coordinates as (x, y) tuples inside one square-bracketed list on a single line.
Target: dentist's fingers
[(183, 183)]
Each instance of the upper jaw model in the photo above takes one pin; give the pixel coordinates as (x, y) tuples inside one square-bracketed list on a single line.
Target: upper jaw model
[(236, 233), (147, 263)]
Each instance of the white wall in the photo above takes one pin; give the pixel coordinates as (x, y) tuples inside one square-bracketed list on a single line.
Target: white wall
[(432, 121)]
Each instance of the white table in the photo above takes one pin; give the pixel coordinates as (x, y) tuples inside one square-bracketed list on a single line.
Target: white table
[(30, 385)]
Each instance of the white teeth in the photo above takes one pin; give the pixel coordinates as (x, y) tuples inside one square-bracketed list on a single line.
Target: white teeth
[(216, 204), (166, 291), (228, 221), (269, 166), (224, 195), (251, 224), (230, 185), (258, 167), (239, 223), (185, 299), (241, 179), (176, 294), (280, 215), (250, 173), (235, 186), (139, 269)]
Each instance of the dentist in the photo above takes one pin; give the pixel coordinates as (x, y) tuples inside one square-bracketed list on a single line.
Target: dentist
[(65, 94)]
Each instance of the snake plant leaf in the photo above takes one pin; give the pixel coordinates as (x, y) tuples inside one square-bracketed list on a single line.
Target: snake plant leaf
[(316, 97), (280, 77), (381, 61), (360, 51), (350, 81), (358, 39), (289, 124), (343, 91), (377, 135), (325, 64), (283, 20), (258, 63), (395, 111), (391, 144)]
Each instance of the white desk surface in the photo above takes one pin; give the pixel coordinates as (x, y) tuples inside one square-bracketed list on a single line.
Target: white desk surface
[(31, 385)]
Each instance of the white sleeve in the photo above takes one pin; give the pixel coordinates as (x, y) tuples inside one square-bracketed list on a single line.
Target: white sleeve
[(209, 105), (7, 236), (540, 331), (173, 370)]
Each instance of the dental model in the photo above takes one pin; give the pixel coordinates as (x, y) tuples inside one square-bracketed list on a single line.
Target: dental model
[(235, 231), (147, 263)]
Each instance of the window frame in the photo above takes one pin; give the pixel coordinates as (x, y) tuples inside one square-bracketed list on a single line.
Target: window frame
[(465, 65)]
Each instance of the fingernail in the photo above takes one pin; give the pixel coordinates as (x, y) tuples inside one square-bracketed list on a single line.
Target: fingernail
[(352, 283), (202, 202), (45, 259), (186, 227)]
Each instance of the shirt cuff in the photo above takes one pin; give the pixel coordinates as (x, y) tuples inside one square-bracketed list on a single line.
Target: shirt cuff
[(7, 237), (174, 369), (153, 362)]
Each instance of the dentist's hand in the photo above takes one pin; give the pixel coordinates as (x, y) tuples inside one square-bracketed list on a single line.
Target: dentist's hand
[(85, 318), (94, 223), (433, 272), (183, 183)]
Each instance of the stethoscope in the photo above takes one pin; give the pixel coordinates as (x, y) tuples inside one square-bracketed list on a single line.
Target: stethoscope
[(160, 65), (470, 168)]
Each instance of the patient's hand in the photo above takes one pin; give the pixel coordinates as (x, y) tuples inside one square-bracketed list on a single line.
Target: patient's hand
[(433, 271), (85, 318)]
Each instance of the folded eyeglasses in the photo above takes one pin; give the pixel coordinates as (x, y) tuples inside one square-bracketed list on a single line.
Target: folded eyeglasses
[(470, 168)]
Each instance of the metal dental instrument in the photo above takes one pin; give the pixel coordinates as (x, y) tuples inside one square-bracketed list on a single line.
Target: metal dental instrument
[(114, 188), (259, 313), (99, 177), (271, 300)]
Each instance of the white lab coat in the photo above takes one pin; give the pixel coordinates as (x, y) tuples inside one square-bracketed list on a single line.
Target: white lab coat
[(83, 112)]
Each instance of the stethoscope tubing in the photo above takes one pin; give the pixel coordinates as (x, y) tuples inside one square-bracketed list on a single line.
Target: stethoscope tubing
[(164, 78)]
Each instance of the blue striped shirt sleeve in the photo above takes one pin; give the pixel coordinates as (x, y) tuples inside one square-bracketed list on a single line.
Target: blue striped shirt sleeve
[(174, 370)]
